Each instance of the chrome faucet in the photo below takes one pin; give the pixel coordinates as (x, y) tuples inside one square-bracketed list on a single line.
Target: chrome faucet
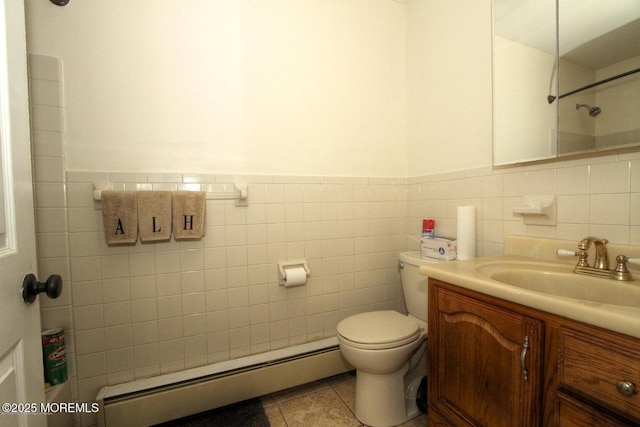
[(601, 261)]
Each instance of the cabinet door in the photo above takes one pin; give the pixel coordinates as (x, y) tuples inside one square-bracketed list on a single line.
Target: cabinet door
[(485, 362)]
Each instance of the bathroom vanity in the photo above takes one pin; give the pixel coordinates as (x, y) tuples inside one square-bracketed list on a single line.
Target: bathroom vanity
[(493, 362), (500, 355)]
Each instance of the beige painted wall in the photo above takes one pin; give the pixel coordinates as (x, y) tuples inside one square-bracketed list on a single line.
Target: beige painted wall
[(449, 85), (279, 86)]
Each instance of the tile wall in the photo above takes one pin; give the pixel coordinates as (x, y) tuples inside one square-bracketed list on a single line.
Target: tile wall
[(595, 196), (48, 140), (132, 312), (155, 308)]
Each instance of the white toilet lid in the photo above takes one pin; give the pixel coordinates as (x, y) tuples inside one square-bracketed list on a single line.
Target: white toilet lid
[(379, 329)]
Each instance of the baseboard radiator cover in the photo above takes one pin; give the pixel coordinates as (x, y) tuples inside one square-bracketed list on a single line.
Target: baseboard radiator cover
[(166, 397)]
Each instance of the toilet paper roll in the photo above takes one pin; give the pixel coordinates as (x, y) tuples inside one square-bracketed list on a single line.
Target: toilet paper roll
[(295, 276), (466, 232)]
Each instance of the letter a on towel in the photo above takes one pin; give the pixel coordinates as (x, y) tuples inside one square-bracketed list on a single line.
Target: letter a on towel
[(189, 214), (120, 217)]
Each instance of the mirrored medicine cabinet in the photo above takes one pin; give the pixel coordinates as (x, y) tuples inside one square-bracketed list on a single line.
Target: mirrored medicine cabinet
[(566, 78)]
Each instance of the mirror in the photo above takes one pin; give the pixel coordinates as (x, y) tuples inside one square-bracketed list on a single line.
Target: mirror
[(524, 70), (599, 48), (541, 110)]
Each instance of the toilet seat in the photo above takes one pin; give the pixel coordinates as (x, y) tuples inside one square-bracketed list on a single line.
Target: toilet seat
[(378, 330)]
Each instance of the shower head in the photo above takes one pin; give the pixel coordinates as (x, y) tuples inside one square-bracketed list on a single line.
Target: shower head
[(593, 111)]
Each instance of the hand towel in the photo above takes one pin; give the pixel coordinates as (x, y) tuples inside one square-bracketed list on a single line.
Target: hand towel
[(120, 217), (189, 214), (154, 216)]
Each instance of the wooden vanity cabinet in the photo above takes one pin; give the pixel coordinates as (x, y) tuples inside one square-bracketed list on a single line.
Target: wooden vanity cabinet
[(485, 362), (477, 363)]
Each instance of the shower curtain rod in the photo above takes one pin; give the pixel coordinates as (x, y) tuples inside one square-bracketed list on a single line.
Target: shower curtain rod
[(551, 98)]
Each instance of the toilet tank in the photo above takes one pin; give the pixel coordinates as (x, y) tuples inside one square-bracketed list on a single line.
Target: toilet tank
[(414, 284)]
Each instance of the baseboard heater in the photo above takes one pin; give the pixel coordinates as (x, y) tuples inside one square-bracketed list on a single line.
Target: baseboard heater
[(167, 397)]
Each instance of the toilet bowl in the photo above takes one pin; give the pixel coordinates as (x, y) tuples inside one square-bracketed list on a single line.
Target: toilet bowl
[(389, 351)]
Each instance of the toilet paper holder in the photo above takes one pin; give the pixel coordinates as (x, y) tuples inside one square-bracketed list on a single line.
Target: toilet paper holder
[(282, 265)]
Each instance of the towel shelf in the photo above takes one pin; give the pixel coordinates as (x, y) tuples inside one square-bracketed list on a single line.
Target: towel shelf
[(239, 195)]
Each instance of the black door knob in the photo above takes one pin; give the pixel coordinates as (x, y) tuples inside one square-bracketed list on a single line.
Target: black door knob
[(31, 287)]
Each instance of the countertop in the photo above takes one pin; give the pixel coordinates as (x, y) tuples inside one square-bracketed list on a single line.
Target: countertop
[(464, 273)]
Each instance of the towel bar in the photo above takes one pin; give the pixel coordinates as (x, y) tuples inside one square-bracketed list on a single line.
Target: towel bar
[(239, 195)]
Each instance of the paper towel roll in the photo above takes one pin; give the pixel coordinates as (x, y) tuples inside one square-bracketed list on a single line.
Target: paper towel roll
[(466, 232), (295, 276)]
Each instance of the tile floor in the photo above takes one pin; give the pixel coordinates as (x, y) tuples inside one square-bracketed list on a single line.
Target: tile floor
[(328, 402)]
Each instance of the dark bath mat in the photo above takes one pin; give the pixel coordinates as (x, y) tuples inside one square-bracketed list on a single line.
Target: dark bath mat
[(248, 413)]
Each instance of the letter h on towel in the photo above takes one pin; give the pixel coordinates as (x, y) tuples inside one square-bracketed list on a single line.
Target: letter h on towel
[(189, 214)]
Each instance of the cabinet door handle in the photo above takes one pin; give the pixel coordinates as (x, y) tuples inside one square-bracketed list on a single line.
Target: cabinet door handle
[(626, 387), (523, 355)]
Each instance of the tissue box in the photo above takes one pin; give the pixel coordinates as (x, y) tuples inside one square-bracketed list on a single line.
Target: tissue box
[(439, 248)]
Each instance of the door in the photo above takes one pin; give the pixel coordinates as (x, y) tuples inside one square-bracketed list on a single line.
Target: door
[(485, 361), (21, 374)]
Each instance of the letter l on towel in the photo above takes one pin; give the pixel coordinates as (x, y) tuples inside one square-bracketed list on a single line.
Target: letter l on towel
[(154, 216)]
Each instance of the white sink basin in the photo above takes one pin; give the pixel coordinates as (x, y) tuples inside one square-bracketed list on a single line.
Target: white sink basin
[(559, 280)]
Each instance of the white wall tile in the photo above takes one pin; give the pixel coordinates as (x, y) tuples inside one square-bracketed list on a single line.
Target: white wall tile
[(634, 208), (195, 325), (87, 293), (51, 220), (47, 144), (609, 209), (193, 303), (48, 169), (90, 341), (145, 332), (47, 118), (91, 365), (88, 317), (115, 313), (573, 209), (635, 176), (45, 67), (50, 195), (610, 178), (540, 182), (169, 306), (170, 328), (117, 337), (114, 266), (192, 281), (167, 262), (146, 355), (143, 310), (573, 180), (45, 92), (119, 360), (219, 298), (116, 289)]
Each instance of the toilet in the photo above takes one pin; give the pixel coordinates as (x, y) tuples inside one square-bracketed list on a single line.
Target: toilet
[(389, 351)]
